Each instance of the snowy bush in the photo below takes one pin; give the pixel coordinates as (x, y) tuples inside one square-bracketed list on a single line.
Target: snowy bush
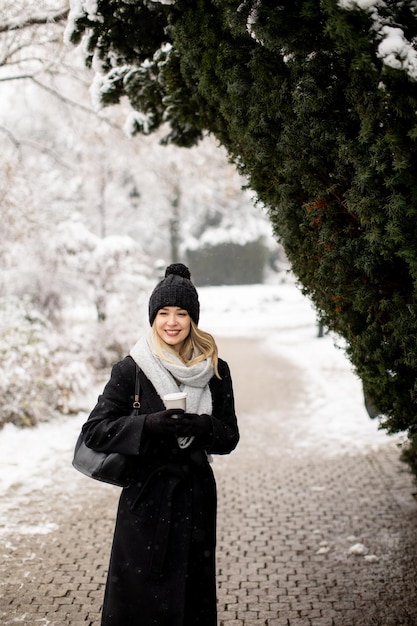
[(220, 252), (40, 375), (104, 343)]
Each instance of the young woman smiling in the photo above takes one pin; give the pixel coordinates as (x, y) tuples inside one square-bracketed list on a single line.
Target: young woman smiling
[(162, 564)]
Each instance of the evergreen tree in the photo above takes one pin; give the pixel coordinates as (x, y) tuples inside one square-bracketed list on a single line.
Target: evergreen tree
[(315, 102)]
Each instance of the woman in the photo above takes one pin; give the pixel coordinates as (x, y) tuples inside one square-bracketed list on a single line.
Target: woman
[(162, 565)]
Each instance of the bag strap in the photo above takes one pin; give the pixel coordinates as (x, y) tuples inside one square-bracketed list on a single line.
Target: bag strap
[(136, 403)]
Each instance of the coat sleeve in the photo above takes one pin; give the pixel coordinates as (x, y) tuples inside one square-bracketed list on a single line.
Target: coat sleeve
[(111, 427), (225, 432)]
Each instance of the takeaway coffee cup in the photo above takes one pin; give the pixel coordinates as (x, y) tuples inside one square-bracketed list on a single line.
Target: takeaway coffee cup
[(178, 401), (175, 400)]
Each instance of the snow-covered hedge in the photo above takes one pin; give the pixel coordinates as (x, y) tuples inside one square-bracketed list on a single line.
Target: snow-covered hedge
[(229, 263)]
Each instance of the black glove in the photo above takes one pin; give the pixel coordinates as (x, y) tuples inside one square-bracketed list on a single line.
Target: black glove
[(193, 425), (164, 422)]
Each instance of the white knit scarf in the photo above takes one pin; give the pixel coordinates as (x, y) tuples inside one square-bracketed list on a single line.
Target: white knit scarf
[(171, 374)]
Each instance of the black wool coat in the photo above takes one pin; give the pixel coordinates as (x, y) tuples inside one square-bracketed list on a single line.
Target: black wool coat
[(162, 564)]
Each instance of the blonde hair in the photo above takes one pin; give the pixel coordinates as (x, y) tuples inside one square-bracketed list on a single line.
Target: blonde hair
[(197, 347)]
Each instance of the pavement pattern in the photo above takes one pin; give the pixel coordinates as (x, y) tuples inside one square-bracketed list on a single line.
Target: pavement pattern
[(304, 538)]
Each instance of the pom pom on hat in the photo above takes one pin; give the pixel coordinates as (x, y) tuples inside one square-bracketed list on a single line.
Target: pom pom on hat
[(176, 289), (179, 269)]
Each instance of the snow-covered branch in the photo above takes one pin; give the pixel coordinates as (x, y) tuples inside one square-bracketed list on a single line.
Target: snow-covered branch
[(394, 49), (34, 20)]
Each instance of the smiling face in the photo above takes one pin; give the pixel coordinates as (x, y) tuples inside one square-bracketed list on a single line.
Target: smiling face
[(172, 325)]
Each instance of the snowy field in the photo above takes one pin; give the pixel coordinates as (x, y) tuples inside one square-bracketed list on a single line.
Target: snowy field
[(284, 321)]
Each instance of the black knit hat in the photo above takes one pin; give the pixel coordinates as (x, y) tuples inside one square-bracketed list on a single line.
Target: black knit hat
[(176, 289)]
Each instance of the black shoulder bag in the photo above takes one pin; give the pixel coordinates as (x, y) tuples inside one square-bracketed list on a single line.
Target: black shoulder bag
[(108, 467)]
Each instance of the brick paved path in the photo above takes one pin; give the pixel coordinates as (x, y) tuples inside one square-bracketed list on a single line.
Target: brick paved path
[(288, 519)]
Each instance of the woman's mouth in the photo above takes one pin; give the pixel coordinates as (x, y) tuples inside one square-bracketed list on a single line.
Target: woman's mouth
[(172, 333)]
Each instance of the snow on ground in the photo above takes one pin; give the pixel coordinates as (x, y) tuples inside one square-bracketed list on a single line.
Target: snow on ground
[(331, 400)]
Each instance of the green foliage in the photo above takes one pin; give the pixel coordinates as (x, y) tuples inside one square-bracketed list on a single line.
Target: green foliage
[(324, 129)]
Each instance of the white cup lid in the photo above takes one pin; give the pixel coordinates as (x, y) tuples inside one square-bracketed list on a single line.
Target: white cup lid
[(179, 395)]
